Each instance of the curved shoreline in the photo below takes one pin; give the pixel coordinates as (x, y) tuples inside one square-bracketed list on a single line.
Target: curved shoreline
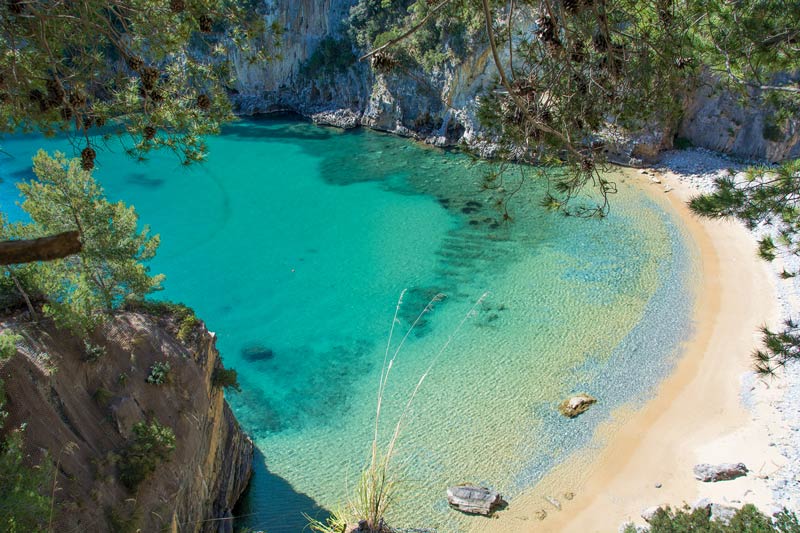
[(696, 414)]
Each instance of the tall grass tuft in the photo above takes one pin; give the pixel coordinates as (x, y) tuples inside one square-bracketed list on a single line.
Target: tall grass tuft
[(377, 486)]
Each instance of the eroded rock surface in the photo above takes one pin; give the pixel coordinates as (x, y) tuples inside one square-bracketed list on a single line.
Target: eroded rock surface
[(83, 412)]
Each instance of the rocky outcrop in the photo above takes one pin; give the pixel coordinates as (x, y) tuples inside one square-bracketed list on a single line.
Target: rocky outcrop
[(721, 120), (473, 499), (721, 472), (81, 411)]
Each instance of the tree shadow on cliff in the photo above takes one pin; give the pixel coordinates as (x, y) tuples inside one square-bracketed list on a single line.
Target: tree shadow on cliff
[(271, 504)]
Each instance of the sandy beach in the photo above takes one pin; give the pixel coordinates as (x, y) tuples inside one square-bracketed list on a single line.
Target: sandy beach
[(711, 408)]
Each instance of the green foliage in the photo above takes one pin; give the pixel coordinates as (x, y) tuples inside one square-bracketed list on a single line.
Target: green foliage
[(93, 352), (332, 56), (151, 445), (122, 522), (770, 197), (8, 344), (187, 324), (747, 519), (446, 38), (182, 315), (154, 71), (80, 290), (226, 378), (773, 132), (103, 397), (23, 509), (159, 373)]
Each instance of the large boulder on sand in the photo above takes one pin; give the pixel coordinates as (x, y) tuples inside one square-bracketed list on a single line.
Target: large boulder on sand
[(575, 405), (473, 499), (721, 472)]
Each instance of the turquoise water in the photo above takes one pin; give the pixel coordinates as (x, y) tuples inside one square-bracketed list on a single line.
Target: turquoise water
[(293, 243)]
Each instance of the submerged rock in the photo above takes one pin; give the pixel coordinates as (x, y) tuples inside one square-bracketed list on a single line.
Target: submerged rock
[(721, 472), (575, 405), (257, 352), (473, 499)]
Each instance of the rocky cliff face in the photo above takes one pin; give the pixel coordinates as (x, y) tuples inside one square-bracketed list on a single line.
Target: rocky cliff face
[(440, 106), (81, 412)]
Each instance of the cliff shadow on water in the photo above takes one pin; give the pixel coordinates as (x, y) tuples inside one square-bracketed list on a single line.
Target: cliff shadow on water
[(263, 505)]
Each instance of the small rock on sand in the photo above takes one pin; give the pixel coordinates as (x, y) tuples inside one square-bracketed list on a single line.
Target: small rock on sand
[(722, 472)]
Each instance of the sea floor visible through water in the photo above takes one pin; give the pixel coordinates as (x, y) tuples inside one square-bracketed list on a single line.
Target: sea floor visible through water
[(293, 243)]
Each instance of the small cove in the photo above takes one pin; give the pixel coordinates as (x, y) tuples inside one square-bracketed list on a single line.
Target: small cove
[(293, 243)]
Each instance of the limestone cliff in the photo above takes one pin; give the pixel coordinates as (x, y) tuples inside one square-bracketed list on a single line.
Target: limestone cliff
[(439, 106), (80, 407)]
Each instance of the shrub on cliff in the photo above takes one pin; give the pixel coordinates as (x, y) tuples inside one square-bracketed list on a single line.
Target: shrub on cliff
[(8, 344), (23, 509), (151, 445), (226, 378)]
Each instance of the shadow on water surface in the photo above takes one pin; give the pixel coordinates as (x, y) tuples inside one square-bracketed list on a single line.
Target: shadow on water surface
[(145, 180), (272, 505)]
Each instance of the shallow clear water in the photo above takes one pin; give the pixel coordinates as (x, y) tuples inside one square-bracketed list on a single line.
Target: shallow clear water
[(294, 242)]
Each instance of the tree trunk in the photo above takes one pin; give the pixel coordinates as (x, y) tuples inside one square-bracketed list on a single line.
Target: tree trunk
[(24, 294), (43, 249)]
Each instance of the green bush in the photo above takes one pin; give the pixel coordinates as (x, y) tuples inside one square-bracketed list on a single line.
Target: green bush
[(102, 397), (772, 132), (331, 57), (8, 344), (23, 509), (227, 378), (151, 445), (159, 373), (747, 519), (93, 352), (187, 325)]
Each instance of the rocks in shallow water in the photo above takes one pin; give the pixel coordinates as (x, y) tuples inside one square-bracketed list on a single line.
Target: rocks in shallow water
[(575, 405), (257, 352), (340, 118), (473, 499), (721, 472)]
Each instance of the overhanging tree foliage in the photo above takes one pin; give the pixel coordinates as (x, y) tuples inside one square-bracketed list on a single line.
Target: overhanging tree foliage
[(80, 290), (579, 72), (155, 72)]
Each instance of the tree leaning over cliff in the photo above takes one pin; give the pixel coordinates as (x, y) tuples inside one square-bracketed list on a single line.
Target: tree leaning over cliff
[(81, 290)]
